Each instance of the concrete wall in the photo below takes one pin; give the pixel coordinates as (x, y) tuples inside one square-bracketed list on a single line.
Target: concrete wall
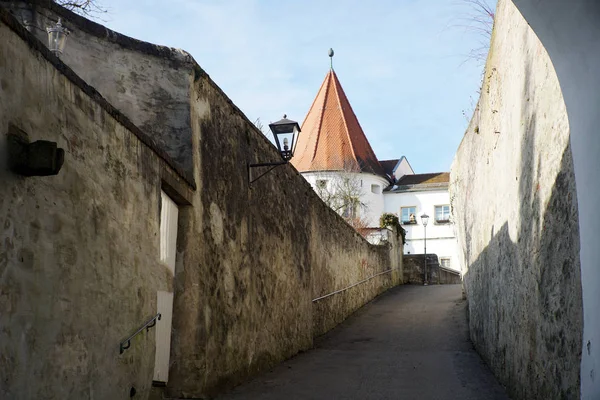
[(440, 237), (79, 261), (570, 33), (515, 209)]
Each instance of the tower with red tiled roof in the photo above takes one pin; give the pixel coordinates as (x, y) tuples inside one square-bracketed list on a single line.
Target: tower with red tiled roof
[(333, 150), (333, 154), (332, 138)]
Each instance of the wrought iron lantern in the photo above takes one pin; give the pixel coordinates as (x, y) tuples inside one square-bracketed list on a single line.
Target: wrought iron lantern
[(286, 134), (57, 38), (425, 219)]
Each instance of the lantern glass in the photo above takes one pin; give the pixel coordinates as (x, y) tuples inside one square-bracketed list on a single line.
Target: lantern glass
[(425, 219), (286, 133), (57, 38)]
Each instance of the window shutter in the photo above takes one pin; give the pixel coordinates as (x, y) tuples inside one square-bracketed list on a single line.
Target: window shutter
[(168, 231)]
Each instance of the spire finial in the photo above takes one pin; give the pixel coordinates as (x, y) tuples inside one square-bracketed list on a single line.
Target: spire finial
[(331, 53)]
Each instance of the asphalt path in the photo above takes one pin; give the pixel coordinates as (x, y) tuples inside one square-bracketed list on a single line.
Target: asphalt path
[(410, 343)]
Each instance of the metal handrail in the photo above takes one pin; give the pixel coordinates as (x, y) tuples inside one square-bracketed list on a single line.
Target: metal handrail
[(125, 344), (355, 284)]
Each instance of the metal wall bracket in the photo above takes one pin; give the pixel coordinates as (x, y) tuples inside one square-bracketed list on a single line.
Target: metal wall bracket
[(273, 165), (40, 158)]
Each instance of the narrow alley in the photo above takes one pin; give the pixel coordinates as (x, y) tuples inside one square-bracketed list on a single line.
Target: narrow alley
[(410, 343)]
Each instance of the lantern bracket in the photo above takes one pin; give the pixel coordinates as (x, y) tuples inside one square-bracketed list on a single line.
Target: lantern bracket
[(288, 130), (273, 165)]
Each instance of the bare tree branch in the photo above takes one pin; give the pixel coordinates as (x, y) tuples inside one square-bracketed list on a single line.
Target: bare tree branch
[(480, 21), (258, 123), (88, 8), (342, 192)]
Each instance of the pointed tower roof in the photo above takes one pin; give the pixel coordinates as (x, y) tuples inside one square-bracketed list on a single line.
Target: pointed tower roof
[(331, 138)]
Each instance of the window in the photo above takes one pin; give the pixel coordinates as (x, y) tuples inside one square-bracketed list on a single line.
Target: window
[(322, 183), (442, 214), (375, 189), (407, 215), (445, 262)]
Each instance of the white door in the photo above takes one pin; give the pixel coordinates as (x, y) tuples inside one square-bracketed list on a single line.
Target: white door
[(169, 214), (164, 303)]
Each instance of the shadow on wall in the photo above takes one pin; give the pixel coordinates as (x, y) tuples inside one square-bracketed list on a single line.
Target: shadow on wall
[(525, 304), (525, 301)]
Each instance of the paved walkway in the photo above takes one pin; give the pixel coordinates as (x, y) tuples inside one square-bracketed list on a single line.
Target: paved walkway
[(410, 343)]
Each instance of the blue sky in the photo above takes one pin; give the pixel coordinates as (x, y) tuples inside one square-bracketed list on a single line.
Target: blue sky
[(401, 62)]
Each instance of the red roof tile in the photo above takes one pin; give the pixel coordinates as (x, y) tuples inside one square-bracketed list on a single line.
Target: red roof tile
[(331, 138)]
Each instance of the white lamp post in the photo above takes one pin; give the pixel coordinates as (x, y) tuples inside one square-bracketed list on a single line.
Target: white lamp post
[(425, 220)]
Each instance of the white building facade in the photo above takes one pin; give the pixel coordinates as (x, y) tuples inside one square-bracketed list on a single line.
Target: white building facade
[(410, 202), (370, 188), (410, 198)]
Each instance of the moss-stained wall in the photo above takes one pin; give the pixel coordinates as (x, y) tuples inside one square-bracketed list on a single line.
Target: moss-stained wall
[(79, 254), (514, 201), (149, 84), (254, 256), (79, 265), (340, 259), (414, 265)]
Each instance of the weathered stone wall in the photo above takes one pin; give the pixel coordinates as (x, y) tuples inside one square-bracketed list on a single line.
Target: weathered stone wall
[(514, 201), (79, 266), (447, 277), (358, 262), (148, 83), (79, 254), (254, 257), (414, 265), (570, 33)]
